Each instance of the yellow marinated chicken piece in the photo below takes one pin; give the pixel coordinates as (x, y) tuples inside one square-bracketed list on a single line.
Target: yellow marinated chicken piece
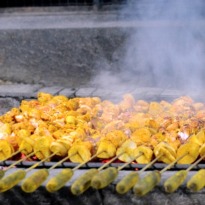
[(141, 136), (59, 148), (155, 108), (147, 154), (9, 117), (191, 150), (127, 102), (79, 134), (165, 153), (156, 139), (152, 123), (42, 147), (127, 149), (58, 134), (19, 136), (172, 138), (109, 143), (110, 111), (166, 105), (106, 150), (89, 101), (42, 131), (5, 130), (198, 138), (71, 120), (72, 104), (183, 106), (59, 99), (6, 150), (112, 126), (116, 137), (26, 145), (173, 126), (80, 151), (184, 100), (141, 106), (191, 126), (44, 97), (132, 126), (139, 118)]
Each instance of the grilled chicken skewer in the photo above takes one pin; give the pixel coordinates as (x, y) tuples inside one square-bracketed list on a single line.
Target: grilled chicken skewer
[(27, 146), (125, 151), (132, 178), (31, 183), (81, 184), (147, 184), (163, 152), (76, 152), (6, 150), (105, 177), (2, 172), (197, 182), (194, 147), (104, 150), (12, 179), (173, 183), (58, 181), (186, 151)]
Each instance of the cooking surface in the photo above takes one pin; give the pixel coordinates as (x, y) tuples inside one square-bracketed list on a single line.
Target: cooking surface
[(12, 96)]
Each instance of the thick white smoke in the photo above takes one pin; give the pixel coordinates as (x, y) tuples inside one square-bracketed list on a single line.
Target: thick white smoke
[(169, 51), (166, 47)]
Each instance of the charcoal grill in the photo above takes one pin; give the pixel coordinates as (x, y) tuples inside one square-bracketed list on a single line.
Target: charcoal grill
[(18, 39), (107, 195)]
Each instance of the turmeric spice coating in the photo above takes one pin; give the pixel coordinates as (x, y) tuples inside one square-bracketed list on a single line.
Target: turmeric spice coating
[(81, 127)]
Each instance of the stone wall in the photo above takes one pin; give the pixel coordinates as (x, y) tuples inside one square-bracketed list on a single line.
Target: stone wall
[(58, 48)]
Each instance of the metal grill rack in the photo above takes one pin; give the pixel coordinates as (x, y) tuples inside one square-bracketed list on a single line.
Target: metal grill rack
[(89, 165)]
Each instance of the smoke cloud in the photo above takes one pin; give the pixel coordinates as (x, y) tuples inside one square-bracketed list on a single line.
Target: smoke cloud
[(165, 48)]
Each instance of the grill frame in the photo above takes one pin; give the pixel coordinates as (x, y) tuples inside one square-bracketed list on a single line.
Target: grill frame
[(89, 165)]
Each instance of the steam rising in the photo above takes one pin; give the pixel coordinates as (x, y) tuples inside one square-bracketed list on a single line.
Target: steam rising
[(167, 50)]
